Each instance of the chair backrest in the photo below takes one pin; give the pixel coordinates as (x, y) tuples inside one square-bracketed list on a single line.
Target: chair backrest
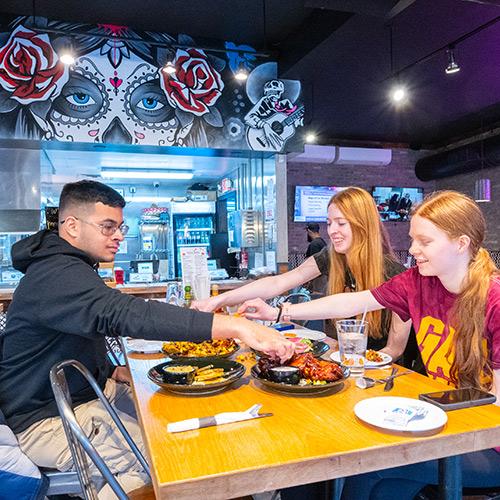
[(114, 351), (3, 322), (79, 444)]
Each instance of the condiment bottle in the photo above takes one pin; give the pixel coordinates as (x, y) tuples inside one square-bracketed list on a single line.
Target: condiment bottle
[(188, 296)]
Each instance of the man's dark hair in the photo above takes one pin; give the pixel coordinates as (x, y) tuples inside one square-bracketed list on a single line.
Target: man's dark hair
[(312, 226), (89, 192)]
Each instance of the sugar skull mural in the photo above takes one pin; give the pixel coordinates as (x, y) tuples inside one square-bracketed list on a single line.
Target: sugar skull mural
[(116, 92)]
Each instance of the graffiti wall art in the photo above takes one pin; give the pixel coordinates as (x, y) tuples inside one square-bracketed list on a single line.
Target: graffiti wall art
[(116, 91)]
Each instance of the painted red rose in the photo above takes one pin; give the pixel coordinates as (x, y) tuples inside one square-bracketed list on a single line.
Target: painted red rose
[(195, 86), (30, 68)]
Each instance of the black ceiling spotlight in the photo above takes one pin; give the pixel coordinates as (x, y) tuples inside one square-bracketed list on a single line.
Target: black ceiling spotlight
[(452, 67)]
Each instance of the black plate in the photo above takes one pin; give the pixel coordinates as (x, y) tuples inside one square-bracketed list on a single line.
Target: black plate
[(298, 389), (195, 358), (155, 375), (318, 349)]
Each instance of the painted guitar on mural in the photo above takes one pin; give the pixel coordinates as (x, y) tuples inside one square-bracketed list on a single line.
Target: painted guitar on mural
[(281, 124)]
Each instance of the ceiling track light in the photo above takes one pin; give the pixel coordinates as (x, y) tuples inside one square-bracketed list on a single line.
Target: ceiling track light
[(310, 138), (152, 43), (241, 75), (169, 68), (399, 95), (67, 53), (452, 67)]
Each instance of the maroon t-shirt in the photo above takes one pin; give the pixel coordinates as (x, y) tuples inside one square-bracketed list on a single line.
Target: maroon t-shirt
[(425, 301)]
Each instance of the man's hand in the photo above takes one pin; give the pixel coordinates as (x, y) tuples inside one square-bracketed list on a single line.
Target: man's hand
[(122, 374), (266, 340), (258, 309)]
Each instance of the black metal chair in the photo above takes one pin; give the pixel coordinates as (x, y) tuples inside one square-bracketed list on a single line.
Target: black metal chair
[(79, 444)]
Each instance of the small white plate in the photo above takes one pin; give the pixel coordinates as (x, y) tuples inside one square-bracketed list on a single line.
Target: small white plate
[(373, 411), (386, 359), (305, 333), (144, 346)]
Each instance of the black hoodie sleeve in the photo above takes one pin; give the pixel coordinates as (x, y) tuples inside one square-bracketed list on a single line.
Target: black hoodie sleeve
[(72, 298)]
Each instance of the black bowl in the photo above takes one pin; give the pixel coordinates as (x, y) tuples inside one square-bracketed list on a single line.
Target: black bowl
[(285, 375), (172, 374), (236, 371), (295, 388)]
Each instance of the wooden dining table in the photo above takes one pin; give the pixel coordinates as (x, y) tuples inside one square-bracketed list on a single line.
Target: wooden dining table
[(309, 438)]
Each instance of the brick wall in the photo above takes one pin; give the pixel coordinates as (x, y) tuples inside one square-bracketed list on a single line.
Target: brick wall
[(400, 172), (465, 184)]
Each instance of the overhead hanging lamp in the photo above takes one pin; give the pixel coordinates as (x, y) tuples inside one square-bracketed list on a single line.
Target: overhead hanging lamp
[(452, 67), (482, 190), (482, 186)]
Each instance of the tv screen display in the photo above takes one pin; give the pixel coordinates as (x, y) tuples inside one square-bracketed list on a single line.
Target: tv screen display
[(311, 202), (395, 203)]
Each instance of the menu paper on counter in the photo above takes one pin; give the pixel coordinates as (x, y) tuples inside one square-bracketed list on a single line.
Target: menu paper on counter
[(258, 260), (271, 260), (194, 268)]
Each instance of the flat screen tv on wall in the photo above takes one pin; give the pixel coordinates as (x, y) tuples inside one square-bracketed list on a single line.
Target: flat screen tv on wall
[(395, 203), (311, 202)]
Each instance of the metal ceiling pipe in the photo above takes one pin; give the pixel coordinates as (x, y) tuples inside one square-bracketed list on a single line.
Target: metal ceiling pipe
[(465, 159)]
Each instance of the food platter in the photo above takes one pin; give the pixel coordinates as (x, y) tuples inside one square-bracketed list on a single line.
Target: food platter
[(209, 349), (310, 388), (235, 369), (317, 350), (386, 359)]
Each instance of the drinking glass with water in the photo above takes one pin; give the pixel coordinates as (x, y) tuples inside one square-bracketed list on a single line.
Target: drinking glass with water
[(353, 336)]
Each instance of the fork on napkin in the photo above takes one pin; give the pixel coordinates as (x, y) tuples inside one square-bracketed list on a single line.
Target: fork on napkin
[(219, 419)]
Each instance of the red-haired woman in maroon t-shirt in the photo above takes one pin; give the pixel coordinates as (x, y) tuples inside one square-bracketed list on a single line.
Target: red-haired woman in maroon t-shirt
[(452, 297)]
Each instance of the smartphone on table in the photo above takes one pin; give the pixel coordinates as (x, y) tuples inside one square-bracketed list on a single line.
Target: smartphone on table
[(458, 398)]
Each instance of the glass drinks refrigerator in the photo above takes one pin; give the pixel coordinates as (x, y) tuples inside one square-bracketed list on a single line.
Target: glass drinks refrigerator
[(193, 223)]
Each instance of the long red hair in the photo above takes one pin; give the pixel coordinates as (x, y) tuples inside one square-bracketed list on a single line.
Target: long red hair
[(457, 214), (365, 258)]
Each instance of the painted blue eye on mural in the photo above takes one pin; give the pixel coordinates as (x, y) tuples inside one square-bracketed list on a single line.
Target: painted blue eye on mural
[(116, 91), (80, 99), (150, 104)]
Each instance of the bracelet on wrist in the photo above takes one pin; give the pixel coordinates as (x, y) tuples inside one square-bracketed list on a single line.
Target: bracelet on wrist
[(280, 309)]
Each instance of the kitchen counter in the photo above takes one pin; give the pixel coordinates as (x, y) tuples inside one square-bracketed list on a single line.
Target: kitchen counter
[(161, 288), (144, 290)]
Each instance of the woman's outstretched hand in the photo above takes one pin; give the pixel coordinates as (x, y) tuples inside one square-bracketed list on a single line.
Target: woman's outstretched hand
[(258, 309)]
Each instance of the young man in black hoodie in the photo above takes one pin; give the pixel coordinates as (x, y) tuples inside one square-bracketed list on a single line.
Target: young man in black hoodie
[(63, 310)]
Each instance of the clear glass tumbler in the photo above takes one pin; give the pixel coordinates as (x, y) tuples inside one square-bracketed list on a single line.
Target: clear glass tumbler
[(353, 336)]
